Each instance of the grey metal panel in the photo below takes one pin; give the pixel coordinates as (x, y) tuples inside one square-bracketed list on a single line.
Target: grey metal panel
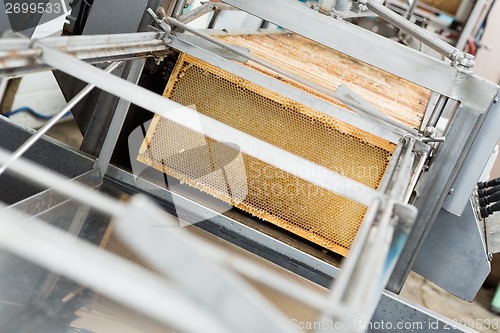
[(46, 152), (454, 256), (475, 163), (114, 16), (435, 185), (395, 310)]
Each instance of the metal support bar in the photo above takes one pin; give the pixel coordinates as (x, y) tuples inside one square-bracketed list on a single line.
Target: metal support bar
[(221, 292), (179, 8), (374, 50), (417, 32), (437, 111), (363, 107), (22, 55), (204, 9), (436, 185), (118, 120), (382, 117), (52, 121), (357, 291), (86, 264)]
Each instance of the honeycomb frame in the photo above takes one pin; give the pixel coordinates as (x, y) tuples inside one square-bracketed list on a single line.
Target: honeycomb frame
[(313, 213)]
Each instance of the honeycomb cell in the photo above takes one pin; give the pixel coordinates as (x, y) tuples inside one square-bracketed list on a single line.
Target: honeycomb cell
[(264, 191)]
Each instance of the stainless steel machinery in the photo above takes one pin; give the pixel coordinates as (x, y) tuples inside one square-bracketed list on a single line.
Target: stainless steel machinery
[(96, 237)]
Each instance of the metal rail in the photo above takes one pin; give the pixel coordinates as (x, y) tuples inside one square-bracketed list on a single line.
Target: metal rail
[(22, 56), (420, 34)]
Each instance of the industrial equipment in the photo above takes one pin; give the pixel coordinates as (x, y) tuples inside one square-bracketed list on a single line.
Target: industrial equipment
[(283, 179)]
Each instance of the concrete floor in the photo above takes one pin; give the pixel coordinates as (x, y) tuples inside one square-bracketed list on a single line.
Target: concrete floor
[(417, 289), (476, 314)]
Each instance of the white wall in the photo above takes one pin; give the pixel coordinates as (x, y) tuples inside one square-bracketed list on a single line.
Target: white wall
[(488, 62)]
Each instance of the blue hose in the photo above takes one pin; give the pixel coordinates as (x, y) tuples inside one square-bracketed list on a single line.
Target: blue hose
[(32, 112)]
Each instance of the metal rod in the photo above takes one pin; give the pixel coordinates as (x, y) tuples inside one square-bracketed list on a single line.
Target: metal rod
[(214, 19), (204, 9), (413, 30), (416, 174), (18, 57), (306, 83), (52, 121), (391, 168), (289, 91), (277, 157), (179, 8), (411, 9), (438, 110), (118, 120), (198, 12)]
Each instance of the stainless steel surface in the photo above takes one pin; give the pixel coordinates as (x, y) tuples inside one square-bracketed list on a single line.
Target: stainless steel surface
[(473, 166), (492, 225), (474, 93), (119, 116), (357, 290), (168, 109), (391, 309), (22, 55), (62, 254), (454, 256), (437, 111), (42, 176), (52, 121), (435, 184)]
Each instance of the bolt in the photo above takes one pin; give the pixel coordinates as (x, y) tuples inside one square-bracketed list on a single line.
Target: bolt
[(429, 130)]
